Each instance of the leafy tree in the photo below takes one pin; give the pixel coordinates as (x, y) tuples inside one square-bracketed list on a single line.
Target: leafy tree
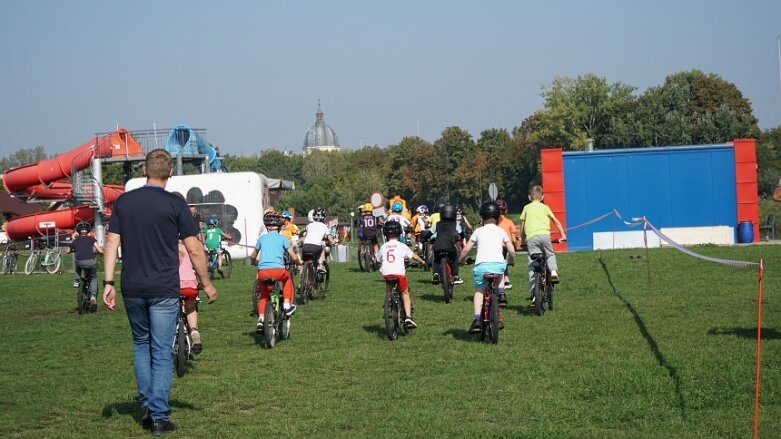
[(22, 156), (769, 159)]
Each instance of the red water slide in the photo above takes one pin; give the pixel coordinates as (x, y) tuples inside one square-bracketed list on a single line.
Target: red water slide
[(40, 181)]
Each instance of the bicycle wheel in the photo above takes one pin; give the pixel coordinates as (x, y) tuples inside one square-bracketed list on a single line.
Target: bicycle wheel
[(360, 258), (227, 267), (428, 257), (255, 297), (32, 261), (284, 328), (323, 280), (304, 284), (82, 302), (391, 316), (368, 259), (6, 263), (539, 294), (52, 262), (550, 295), (270, 325), (180, 352), (446, 278), (493, 323)]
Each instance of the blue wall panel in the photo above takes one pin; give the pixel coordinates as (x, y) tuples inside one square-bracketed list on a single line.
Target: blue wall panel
[(672, 187)]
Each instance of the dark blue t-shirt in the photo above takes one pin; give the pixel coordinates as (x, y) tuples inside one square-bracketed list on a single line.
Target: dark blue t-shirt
[(83, 248), (150, 222)]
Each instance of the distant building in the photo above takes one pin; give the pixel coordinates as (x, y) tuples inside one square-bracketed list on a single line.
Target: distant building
[(320, 136)]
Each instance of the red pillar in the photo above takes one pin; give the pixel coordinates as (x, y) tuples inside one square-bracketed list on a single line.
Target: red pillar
[(746, 182), (553, 187)]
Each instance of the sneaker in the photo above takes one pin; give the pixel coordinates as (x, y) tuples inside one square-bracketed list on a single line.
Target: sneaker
[(222, 275), (531, 303), (259, 326), (75, 284), (161, 427), (321, 269), (554, 276), (93, 301), (435, 279), (146, 421), (475, 327), (409, 323), (503, 299), (195, 336), (457, 281), (508, 285), (290, 311)]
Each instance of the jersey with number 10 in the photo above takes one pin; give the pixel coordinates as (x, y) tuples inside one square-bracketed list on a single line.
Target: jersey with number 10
[(392, 255)]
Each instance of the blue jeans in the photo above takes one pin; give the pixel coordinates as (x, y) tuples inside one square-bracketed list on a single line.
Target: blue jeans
[(153, 323)]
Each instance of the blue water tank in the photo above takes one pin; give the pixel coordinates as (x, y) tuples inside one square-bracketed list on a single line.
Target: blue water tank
[(745, 232)]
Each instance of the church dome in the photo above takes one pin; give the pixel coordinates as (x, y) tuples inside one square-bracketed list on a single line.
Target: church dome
[(320, 135)]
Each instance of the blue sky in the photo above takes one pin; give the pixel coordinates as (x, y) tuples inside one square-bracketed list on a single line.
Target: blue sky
[(251, 72)]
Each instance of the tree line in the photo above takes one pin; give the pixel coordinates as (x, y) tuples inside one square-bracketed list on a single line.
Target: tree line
[(688, 108)]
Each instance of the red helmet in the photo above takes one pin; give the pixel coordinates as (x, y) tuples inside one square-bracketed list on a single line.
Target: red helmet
[(502, 205)]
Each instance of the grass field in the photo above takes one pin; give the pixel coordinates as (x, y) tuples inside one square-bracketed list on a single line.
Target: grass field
[(616, 359)]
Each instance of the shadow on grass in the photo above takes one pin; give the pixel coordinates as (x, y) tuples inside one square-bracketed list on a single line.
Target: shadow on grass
[(378, 330), (652, 345), (524, 310), (259, 339), (461, 334), (133, 408), (747, 333), (433, 297)]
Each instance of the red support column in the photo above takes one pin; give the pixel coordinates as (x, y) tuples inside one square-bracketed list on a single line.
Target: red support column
[(746, 183), (553, 187)]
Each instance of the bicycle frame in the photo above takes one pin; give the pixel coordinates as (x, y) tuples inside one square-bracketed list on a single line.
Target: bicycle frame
[(489, 328)]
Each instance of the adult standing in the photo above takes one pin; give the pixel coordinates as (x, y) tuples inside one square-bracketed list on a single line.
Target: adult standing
[(148, 222), (198, 220)]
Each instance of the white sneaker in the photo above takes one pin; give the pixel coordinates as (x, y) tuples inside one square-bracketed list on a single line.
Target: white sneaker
[(457, 281), (554, 276), (259, 326)]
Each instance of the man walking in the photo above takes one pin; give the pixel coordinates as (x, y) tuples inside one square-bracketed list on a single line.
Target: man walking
[(148, 222)]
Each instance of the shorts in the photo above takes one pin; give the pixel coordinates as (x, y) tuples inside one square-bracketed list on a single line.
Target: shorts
[(189, 293), (311, 251), (371, 239), (402, 279), (486, 268)]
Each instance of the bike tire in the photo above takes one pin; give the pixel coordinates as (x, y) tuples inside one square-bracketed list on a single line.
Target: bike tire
[(227, 267), (446, 279), (269, 325), (390, 315), (305, 286), (52, 262), (550, 296), (361, 251), (493, 316), (32, 261), (323, 280), (80, 299), (428, 257), (181, 354), (6, 263), (539, 295), (284, 328), (255, 297)]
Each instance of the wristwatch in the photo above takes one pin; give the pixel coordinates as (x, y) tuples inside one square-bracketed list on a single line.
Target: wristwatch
[(108, 282)]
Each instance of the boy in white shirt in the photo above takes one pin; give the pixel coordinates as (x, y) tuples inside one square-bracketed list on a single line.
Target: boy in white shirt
[(392, 255), (489, 239), (315, 232)]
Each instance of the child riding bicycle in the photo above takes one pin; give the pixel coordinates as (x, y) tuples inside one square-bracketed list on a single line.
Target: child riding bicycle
[(367, 226), (535, 221), (272, 247), (392, 255), (489, 240), (84, 248), (446, 238), (188, 287), (315, 233), (213, 240)]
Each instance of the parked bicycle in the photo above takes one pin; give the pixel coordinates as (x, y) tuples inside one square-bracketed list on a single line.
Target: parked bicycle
[(275, 323), (227, 267), (542, 295), (47, 258), (489, 313), (183, 344), (10, 257), (83, 305), (393, 310)]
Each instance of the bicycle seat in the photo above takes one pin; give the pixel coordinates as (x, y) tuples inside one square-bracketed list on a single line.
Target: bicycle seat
[(536, 256), (493, 277), (392, 281), (268, 281)]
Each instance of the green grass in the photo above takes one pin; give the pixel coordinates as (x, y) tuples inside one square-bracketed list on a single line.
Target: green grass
[(617, 358)]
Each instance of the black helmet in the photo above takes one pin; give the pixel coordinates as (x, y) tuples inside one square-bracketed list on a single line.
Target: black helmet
[(448, 211), (272, 219), (392, 228), (83, 226), (319, 214), (439, 205), (489, 209)]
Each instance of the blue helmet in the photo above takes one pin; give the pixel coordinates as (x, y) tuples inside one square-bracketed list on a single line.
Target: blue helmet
[(287, 214), (211, 221), (397, 207)]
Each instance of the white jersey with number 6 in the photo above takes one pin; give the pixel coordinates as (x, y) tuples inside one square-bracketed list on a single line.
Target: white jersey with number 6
[(392, 255)]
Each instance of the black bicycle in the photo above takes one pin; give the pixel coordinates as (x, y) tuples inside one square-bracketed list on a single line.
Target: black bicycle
[(10, 257), (313, 283), (393, 310), (445, 270), (183, 344), (83, 305), (542, 295), (489, 313), (275, 323), (366, 259)]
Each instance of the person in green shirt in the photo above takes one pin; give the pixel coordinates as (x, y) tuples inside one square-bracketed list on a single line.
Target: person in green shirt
[(213, 237), (535, 226)]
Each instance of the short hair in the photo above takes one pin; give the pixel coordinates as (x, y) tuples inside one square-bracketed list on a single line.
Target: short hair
[(158, 164), (535, 191)]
